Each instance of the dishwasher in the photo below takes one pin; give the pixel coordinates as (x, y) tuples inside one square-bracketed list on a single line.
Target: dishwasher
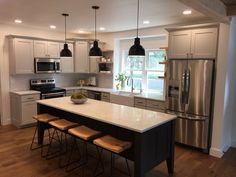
[(94, 95)]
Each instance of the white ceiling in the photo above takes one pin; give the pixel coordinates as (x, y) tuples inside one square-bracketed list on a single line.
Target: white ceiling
[(114, 15)]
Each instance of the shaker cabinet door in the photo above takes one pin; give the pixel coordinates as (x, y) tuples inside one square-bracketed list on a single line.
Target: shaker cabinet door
[(81, 57), (179, 44), (23, 56), (40, 49), (53, 50), (67, 63), (204, 43)]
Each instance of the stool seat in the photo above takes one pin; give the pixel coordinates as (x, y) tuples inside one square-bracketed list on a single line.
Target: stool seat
[(63, 124), (84, 132), (112, 144), (45, 118)]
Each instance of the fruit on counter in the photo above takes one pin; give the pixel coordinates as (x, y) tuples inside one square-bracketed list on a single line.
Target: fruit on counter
[(78, 95)]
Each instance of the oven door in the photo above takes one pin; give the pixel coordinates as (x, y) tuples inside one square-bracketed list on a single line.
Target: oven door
[(46, 65), (52, 95)]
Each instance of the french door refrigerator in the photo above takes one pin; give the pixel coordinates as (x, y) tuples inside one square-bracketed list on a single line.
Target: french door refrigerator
[(189, 96)]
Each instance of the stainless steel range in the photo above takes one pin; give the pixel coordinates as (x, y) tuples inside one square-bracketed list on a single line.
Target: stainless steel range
[(47, 87)]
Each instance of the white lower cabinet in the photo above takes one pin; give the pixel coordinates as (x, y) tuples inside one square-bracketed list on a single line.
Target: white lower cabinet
[(152, 105), (23, 107)]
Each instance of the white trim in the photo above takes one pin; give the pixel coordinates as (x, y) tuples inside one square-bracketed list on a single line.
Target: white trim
[(6, 122), (216, 152), (233, 143)]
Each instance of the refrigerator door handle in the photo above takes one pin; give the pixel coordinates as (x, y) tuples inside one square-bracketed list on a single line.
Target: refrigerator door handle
[(183, 82), (187, 89)]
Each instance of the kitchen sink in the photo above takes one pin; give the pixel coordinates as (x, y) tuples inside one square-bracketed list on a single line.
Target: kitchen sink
[(126, 93)]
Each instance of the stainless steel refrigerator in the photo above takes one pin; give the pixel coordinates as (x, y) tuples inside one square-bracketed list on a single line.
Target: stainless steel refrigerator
[(190, 97)]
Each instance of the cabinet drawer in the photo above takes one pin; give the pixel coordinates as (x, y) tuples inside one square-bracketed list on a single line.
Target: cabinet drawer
[(141, 107), (139, 102), (27, 98), (105, 96), (155, 104)]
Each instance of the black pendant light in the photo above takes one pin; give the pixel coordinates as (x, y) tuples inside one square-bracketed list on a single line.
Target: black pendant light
[(137, 49), (65, 52), (95, 51)]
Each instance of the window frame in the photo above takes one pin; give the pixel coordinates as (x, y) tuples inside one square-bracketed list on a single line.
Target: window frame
[(144, 69)]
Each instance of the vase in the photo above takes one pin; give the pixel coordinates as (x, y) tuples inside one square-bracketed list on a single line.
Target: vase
[(122, 85)]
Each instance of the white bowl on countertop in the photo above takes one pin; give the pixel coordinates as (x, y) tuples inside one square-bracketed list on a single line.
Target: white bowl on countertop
[(78, 101)]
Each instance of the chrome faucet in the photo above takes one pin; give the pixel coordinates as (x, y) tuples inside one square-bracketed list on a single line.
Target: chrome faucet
[(132, 84)]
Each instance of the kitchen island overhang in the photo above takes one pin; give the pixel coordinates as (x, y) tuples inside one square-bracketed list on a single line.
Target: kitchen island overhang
[(152, 133)]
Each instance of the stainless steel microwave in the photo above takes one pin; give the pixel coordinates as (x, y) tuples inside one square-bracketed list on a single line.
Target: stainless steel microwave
[(47, 65)]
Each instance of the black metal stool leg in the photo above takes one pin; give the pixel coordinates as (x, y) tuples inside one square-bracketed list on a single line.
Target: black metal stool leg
[(33, 139)]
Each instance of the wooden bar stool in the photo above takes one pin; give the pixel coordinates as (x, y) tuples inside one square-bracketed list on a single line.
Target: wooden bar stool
[(41, 118), (61, 125), (115, 146), (85, 134)]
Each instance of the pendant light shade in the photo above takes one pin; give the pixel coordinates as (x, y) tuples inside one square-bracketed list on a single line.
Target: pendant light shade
[(137, 49), (95, 51), (65, 52)]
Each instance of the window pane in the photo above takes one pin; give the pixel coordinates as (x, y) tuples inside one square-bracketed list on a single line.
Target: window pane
[(154, 84), (137, 80), (154, 57), (134, 63)]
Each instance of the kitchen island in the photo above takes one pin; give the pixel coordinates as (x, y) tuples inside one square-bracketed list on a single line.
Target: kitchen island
[(152, 133)]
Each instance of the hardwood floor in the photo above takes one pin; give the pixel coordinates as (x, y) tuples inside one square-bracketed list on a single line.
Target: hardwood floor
[(16, 160)]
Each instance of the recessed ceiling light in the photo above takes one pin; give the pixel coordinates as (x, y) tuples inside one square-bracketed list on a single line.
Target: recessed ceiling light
[(53, 27), (18, 21), (187, 12), (146, 22), (81, 31), (102, 28)]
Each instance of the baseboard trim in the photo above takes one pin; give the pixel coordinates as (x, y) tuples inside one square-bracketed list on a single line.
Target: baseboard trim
[(233, 143), (216, 152), (6, 122)]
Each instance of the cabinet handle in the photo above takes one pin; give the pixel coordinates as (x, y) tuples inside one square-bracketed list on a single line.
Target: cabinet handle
[(140, 102), (30, 98)]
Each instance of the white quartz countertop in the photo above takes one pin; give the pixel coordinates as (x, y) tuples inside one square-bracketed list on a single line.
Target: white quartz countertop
[(99, 89), (25, 92), (154, 96), (135, 119)]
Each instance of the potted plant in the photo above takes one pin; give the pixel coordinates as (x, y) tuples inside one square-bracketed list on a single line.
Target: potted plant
[(121, 78)]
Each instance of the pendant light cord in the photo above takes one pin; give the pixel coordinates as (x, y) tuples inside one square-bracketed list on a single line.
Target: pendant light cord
[(137, 17), (95, 24), (65, 29)]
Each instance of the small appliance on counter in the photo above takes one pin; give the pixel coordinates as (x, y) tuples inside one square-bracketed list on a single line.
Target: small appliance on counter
[(92, 81), (47, 88)]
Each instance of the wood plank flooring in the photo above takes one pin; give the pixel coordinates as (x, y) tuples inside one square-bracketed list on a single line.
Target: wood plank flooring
[(16, 160)]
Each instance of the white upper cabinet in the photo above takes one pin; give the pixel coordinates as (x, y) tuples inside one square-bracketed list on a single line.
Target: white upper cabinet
[(44, 49), (67, 63), (21, 55), (204, 43), (179, 44), (53, 49), (195, 43), (81, 57)]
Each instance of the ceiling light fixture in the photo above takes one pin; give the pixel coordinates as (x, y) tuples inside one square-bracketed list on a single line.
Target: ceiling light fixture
[(146, 22), (65, 52), (187, 12), (81, 31), (95, 51), (137, 49), (102, 28), (53, 27), (18, 21)]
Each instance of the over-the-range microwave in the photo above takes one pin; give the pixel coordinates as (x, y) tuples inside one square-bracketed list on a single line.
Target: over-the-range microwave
[(47, 65)]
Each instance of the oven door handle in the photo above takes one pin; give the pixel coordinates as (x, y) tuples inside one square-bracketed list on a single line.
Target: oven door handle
[(53, 94)]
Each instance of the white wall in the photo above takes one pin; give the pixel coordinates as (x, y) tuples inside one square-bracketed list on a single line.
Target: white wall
[(219, 118), (4, 61), (231, 83)]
